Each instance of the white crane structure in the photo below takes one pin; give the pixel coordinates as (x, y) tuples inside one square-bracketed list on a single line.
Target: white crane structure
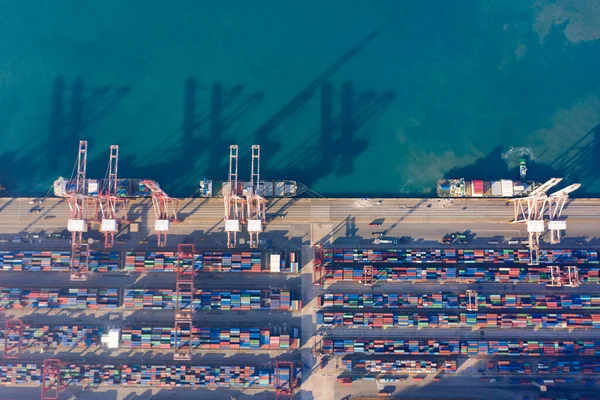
[(110, 204), (165, 211), (82, 208), (234, 203), (256, 203), (530, 210), (556, 203)]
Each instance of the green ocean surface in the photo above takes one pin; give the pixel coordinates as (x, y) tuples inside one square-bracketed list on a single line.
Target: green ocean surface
[(356, 98)]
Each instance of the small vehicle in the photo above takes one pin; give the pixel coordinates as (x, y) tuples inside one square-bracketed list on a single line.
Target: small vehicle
[(580, 242), (378, 233), (513, 242), (405, 239), (143, 241), (375, 224), (50, 217), (493, 242), (462, 241), (35, 201)]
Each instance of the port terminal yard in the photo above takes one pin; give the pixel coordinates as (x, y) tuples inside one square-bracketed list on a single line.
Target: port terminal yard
[(415, 318)]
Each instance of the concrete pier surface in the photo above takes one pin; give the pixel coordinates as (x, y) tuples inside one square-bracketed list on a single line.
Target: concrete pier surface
[(296, 224)]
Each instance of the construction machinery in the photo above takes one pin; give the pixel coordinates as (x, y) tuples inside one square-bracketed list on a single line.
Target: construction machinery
[(472, 303), (556, 203), (256, 204), (184, 301), (285, 380), (82, 208), (13, 338), (165, 211), (318, 265), (530, 210), (110, 204), (52, 383), (234, 203), (557, 278)]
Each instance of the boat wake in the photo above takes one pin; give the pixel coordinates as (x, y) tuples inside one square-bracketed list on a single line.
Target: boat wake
[(512, 156)]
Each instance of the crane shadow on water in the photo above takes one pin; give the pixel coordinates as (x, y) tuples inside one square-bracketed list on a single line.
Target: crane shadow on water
[(67, 125), (341, 139), (202, 133)]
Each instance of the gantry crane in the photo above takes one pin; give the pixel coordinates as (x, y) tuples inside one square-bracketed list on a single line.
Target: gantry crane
[(109, 202), (234, 203), (165, 210), (52, 383), (556, 203), (82, 208), (184, 302), (284, 388), (255, 202), (530, 210), (558, 280), (318, 265), (472, 302), (13, 338)]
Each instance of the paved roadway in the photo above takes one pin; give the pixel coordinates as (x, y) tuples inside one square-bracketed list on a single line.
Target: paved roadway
[(293, 222)]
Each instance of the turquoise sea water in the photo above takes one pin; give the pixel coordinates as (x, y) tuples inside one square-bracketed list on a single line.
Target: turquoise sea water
[(350, 97)]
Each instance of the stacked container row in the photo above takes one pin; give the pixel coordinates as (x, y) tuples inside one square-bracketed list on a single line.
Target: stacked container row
[(135, 375), (390, 346), (56, 261), (521, 256), (211, 338), (236, 300), (52, 337), (209, 261), (462, 320), (81, 298), (454, 301), (470, 348), (508, 274), (402, 366)]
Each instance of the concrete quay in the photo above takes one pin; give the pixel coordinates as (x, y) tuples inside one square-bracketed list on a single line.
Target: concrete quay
[(295, 224)]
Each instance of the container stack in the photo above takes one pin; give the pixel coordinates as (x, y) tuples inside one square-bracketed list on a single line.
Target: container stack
[(217, 300), (55, 261), (211, 338), (134, 375), (53, 337), (391, 346), (461, 256), (456, 301), (440, 274), (59, 298), (462, 320), (379, 366)]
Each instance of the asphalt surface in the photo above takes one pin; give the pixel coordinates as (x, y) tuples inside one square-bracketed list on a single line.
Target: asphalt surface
[(296, 224)]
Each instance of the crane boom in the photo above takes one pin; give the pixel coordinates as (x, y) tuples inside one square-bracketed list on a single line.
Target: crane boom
[(109, 202), (556, 204), (566, 191), (545, 187), (165, 211), (82, 208), (255, 203), (234, 204)]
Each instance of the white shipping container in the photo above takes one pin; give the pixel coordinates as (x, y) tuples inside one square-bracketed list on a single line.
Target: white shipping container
[(275, 263), (161, 225), (507, 188), (92, 187), (496, 189)]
